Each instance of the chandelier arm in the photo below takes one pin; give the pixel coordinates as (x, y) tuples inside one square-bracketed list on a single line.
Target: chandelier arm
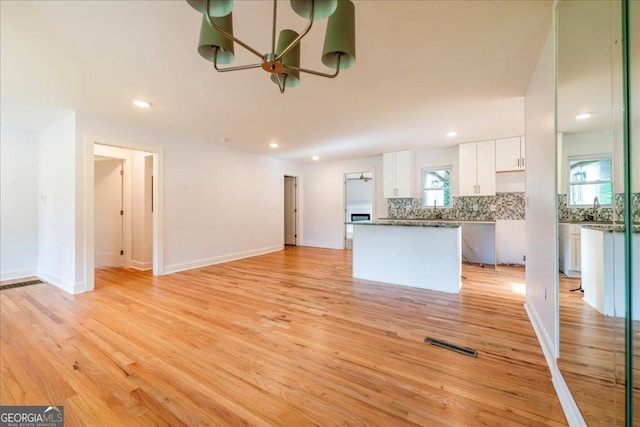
[(229, 36), (239, 67), (281, 83), (300, 36), (318, 73), (273, 27)]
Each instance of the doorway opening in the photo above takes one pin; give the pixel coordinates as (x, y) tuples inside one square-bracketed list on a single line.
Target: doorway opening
[(290, 210), (358, 201), (123, 207)]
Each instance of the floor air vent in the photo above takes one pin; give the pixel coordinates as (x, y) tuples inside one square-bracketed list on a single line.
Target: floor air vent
[(20, 284), (462, 350)]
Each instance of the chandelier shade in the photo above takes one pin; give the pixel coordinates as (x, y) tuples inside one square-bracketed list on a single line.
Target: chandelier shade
[(321, 8), (290, 74), (217, 8), (210, 40), (340, 37)]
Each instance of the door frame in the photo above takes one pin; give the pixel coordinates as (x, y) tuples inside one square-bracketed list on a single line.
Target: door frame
[(89, 200), (296, 208)]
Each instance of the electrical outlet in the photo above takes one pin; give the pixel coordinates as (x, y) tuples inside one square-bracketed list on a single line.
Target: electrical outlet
[(493, 208), (475, 207)]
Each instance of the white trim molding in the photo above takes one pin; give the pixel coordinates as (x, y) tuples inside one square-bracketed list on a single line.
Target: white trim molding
[(17, 274), (175, 268), (569, 405)]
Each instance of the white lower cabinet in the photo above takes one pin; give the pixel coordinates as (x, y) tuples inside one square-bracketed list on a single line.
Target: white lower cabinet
[(570, 252)]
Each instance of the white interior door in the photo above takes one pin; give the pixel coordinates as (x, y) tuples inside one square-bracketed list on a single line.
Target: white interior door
[(290, 210), (108, 213)]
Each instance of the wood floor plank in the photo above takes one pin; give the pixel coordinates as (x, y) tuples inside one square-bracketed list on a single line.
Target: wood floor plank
[(288, 338)]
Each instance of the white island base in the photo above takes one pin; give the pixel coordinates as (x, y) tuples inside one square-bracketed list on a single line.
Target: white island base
[(428, 257)]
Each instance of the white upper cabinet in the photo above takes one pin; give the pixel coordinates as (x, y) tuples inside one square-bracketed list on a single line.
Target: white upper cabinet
[(397, 174), (510, 154), (477, 169)]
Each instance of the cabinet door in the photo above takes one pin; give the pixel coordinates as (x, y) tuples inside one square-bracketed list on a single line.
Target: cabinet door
[(486, 168), (467, 169), (575, 252), (389, 175), (404, 177), (508, 156)]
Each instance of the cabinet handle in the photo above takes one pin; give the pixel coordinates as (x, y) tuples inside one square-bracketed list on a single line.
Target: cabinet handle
[(518, 161), (522, 162)]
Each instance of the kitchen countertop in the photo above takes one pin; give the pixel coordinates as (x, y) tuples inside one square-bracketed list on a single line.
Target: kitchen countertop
[(603, 226), (410, 223)]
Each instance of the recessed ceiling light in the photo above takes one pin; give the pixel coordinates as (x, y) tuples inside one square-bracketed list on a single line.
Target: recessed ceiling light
[(140, 103), (452, 134), (274, 145), (224, 140), (314, 158), (583, 116)]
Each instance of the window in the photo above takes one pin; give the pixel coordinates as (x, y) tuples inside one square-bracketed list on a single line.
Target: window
[(436, 185), (590, 178)]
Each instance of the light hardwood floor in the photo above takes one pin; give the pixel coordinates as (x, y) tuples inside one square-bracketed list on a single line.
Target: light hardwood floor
[(288, 338), (592, 358)]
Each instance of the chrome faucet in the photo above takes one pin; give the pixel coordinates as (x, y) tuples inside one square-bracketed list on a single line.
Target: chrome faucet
[(596, 206), (436, 214)]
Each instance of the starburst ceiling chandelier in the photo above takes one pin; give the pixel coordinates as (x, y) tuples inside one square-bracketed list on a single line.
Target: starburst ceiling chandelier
[(283, 60)]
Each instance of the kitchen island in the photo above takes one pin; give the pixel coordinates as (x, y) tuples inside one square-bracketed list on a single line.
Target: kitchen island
[(423, 254), (603, 272)]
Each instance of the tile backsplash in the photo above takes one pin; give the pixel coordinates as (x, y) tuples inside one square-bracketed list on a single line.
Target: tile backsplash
[(605, 213), (474, 208), (504, 206)]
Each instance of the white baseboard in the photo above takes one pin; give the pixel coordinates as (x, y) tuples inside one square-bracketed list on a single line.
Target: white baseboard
[(569, 406), (141, 265), (541, 333), (17, 274), (174, 268), (323, 245), (57, 281)]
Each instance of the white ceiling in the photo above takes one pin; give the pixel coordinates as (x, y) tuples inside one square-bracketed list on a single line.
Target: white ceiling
[(423, 68)]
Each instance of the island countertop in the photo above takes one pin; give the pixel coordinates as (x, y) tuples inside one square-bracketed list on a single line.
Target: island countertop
[(419, 222), (604, 226), (409, 223)]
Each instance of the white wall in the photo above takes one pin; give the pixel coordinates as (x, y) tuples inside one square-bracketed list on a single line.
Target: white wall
[(218, 203), (18, 204), (541, 212), (141, 251), (359, 192), (57, 208), (510, 182), (323, 200)]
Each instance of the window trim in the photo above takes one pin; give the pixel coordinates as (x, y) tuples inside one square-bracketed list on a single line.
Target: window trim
[(601, 156), (424, 170)]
